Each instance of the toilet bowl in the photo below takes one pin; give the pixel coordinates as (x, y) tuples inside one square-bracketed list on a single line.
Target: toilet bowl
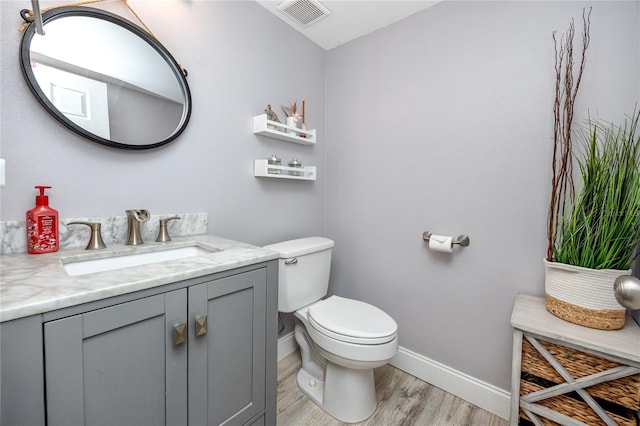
[(344, 385), (341, 340)]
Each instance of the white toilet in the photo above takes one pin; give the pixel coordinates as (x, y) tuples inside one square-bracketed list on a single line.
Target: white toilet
[(341, 340)]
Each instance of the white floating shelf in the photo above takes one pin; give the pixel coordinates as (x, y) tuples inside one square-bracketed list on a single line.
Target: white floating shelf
[(273, 129), (263, 169)]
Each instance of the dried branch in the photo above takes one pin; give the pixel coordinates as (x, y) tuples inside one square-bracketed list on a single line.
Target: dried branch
[(566, 90)]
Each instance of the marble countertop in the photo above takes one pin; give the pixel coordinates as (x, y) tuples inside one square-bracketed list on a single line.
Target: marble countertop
[(34, 284)]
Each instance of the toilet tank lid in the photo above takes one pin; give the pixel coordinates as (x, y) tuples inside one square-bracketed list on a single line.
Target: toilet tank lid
[(301, 246)]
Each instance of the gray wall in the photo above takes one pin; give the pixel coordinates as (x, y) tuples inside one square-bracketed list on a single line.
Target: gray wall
[(235, 53), (443, 122)]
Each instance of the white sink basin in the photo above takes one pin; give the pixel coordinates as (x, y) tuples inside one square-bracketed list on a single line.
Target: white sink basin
[(89, 266)]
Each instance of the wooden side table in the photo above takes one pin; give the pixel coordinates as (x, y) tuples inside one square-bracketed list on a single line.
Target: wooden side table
[(569, 374)]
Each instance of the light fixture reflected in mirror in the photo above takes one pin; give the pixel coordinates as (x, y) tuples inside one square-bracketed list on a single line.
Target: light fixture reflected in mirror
[(37, 16)]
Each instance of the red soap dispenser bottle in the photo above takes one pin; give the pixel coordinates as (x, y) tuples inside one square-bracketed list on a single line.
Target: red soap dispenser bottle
[(42, 226)]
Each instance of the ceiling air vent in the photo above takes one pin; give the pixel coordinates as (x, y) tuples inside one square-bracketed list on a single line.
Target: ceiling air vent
[(304, 12)]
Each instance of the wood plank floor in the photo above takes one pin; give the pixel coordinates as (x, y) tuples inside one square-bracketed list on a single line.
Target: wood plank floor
[(402, 400)]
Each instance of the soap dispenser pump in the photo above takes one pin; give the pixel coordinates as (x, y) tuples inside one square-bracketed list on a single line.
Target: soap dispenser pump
[(42, 226)]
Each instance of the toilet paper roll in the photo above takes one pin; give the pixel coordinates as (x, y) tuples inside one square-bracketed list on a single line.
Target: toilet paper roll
[(441, 243)]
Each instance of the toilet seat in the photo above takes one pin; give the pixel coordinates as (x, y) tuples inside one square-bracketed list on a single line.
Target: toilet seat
[(352, 321)]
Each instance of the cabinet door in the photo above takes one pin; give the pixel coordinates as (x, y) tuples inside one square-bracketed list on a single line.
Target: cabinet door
[(22, 372), (118, 365), (227, 364)]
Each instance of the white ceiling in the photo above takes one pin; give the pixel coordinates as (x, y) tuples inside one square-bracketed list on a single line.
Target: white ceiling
[(350, 19)]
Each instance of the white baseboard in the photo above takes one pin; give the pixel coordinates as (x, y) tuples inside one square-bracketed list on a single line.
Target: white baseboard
[(286, 345), (479, 393)]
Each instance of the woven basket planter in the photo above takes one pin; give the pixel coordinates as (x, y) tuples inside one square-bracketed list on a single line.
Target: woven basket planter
[(583, 296)]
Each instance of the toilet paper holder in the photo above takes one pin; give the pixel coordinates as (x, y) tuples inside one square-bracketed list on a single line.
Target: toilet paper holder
[(462, 240)]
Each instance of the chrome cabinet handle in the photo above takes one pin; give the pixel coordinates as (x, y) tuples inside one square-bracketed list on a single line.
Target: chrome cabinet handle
[(291, 261), (179, 334), (201, 325)]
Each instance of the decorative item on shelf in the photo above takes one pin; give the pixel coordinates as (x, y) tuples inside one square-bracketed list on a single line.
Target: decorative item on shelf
[(293, 119), (272, 116), (592, 233), (295, 163), (303, 122), (288, 110), (292, 122), (274, 161)]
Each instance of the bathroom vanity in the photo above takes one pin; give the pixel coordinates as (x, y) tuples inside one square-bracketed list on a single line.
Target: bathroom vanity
[(181, 341)]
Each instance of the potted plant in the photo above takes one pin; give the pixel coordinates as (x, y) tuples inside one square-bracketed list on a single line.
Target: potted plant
[(592, 234)]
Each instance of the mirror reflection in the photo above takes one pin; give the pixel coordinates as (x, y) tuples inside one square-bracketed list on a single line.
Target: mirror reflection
[(106, 79)]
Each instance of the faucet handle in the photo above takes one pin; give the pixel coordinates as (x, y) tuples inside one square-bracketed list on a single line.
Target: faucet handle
[(95, 242), (163, 233), (140, 215)]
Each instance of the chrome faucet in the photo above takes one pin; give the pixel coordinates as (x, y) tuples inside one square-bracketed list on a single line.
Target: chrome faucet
[(134, 219)]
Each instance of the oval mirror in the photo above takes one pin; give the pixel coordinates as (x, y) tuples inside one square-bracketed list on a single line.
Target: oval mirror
[(105, 78)]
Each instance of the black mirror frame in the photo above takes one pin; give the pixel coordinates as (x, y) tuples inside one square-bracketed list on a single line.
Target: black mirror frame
[(61, 12)]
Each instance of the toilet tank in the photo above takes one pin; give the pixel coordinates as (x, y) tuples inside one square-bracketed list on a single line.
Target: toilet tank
[(303, 271)]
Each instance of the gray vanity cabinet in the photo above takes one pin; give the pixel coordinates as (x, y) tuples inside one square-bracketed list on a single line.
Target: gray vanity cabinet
[(118, 365), (126, 365)]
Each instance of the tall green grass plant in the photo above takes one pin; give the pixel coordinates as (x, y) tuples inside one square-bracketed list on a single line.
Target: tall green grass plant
[(600, 228)]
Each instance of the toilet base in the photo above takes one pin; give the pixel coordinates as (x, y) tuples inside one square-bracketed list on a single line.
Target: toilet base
[(347, 394), (311, 386)]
